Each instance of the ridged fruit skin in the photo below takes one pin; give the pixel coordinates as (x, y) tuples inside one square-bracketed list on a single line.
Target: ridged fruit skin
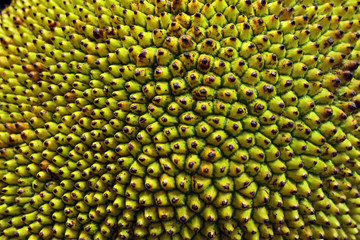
[(177, 119)]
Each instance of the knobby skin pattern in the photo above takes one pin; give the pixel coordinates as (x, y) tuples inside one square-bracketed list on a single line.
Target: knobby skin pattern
[(177, 119)]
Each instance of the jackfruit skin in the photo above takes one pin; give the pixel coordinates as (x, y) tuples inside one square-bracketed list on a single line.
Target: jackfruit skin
[(180, 119)]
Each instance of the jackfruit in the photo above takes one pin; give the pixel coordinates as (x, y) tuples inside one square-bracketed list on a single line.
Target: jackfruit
[(178, 119)]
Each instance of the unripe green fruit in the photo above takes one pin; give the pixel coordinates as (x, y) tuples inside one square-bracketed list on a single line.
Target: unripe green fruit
[(180, 119)]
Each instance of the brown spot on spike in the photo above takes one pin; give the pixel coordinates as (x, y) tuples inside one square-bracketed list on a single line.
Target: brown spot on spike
[(98, 33)]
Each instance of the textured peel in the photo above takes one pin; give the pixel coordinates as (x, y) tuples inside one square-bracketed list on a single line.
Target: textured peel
[(180, 119)]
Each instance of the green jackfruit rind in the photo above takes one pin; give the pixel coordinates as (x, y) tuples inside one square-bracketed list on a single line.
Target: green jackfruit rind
[(180, 119)]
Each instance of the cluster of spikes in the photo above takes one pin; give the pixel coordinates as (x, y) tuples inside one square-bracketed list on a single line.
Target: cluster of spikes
[(201, 119)]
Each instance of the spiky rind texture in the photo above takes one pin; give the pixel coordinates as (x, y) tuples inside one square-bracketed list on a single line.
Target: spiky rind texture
[(157, 119)]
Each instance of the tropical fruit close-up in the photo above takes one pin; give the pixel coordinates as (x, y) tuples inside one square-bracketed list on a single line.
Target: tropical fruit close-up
[(180, 119)]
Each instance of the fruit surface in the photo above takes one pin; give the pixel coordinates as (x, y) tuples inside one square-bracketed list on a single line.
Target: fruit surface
[(176, 119)]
